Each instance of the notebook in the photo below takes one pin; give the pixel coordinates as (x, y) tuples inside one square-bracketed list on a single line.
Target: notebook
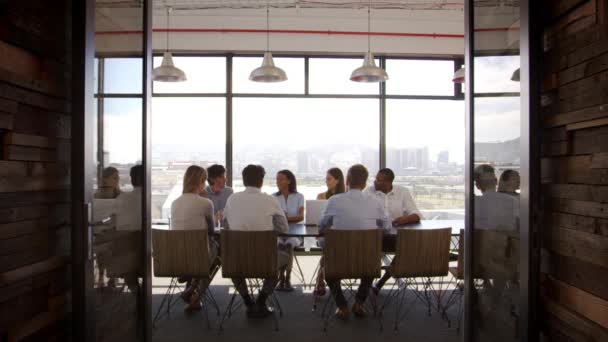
[(314, 208)]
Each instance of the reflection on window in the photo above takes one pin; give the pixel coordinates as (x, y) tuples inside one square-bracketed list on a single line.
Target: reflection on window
[(185, 131), (420, 77), (204, 75), (306, 136), (122, 76), (293, 67), (425, 148), (332, 76), (493, 74)]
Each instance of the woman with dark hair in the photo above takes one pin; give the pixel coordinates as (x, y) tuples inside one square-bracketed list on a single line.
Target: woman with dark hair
[(334, 179), (508, 182), (292, 204)]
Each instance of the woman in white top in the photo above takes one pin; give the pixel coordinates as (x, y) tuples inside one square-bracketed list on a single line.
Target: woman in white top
[(292, 203), (190, 211)]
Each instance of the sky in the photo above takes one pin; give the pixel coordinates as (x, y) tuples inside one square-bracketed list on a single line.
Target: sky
[(262, 123)]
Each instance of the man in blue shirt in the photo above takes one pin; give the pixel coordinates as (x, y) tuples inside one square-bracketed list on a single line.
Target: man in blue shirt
[(353, 210), (217, 191)]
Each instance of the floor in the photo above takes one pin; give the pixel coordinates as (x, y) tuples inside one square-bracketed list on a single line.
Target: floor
[(299, 322)]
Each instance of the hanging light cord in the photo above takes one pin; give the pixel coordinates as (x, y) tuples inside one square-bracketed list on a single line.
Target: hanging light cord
[(369, 25), (267, 28), (168, 13)]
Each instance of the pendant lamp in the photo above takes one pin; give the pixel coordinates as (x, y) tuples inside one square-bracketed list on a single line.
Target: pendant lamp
[(167, 72), (458, 76), (515, 76), (268, 72), (369, 72)]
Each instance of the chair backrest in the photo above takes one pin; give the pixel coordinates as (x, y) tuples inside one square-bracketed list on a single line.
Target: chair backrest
[(180, 253), (460, 261), (249, 254), (422, 253), (496, 254), (352, 253)]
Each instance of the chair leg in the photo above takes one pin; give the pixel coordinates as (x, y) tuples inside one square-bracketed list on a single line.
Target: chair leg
[(313, 278), (158, 315), (275, 299), (301, 273), (228, 310)]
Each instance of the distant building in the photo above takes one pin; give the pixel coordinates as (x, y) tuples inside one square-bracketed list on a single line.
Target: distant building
[(303, 162), (443, 158)]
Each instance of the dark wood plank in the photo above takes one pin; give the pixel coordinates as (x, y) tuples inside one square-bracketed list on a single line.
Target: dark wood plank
[(13, 169), (35, 324), (572, 169), (559, 148), (15, 229), (34, 269), (587, 247), (12, 138), (23, 242), (583, 223), (24, 153), (574, 326), (591, 113), (15, 261), (580, 274), (33, 198), (583, 303), (558, 8), (589, 140), (584, 208), (6, 120), (8, 106), (579, 192), (583, 70), (40, 121), (589, 52), (23, 213), (39, 183)]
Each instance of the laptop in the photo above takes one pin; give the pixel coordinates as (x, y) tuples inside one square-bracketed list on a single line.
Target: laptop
[(314, 208)]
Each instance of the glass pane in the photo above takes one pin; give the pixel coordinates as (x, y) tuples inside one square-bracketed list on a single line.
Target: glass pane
[(185, 131), (420, 77), (493, 74), (430, 165), (122, 130), (122, 76), (293, 67), (307, 136), (96, 76), (204, 75), (332, 76), (496, 137)]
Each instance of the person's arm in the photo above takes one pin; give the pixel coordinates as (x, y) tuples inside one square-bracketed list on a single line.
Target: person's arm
[(321, 196), (224, 223), (279, 220), (383, 221), (209, 218), (300, 216), (327, 216), (411, 214)]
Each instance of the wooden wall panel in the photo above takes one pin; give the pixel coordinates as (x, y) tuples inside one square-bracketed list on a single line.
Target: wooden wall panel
[(35, 120), (574, 171)]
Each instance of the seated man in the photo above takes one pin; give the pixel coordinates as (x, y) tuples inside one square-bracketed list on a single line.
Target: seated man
[(217, 191), (398, 205), (252, 210), (353, 210)]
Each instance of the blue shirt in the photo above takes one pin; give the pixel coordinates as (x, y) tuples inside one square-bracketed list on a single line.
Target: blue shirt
[(353, 210), (219, 198), (294, 202)]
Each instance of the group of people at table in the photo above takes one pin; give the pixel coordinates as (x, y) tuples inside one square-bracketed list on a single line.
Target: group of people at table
[(349, 205)]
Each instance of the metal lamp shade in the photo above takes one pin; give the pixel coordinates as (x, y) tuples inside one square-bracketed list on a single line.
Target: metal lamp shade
[(268, 72), (369, 72), (515, 76), (458, 76), (167, 72)]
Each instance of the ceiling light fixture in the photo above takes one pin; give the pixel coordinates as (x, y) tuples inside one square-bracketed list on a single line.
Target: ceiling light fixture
[(167, 71), (268, 72), (369, 72), (459, 76)]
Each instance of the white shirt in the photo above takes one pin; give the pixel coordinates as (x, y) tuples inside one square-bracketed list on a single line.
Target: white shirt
[(398, 202), (191, 211), (128, 210), (253, 210), (353, 210)]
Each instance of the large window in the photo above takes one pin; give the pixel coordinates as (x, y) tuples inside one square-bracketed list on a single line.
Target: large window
[(425, 148), (307, 136), (316, 120)]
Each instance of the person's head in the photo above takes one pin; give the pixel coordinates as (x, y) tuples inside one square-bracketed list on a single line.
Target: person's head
[(356, 177), (137, 176), (485, 178), (286, 181), (509, 181), (253, 175), (334, 179), (216, 175), (384, 180), (194, 180), (110, 178)]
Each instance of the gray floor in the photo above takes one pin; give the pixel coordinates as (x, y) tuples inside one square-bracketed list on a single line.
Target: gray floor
[(299, 322)]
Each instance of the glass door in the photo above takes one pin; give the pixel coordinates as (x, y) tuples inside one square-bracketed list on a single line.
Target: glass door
[(111, 182), (501, 175)]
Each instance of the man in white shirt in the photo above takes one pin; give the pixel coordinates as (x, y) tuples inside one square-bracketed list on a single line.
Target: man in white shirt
[(352, 210), (398, 205), (252, 210)]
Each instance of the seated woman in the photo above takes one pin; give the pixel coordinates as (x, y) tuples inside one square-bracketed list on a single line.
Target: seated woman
[(334, 179), (191, 211), (292, 204), (109, 188)]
